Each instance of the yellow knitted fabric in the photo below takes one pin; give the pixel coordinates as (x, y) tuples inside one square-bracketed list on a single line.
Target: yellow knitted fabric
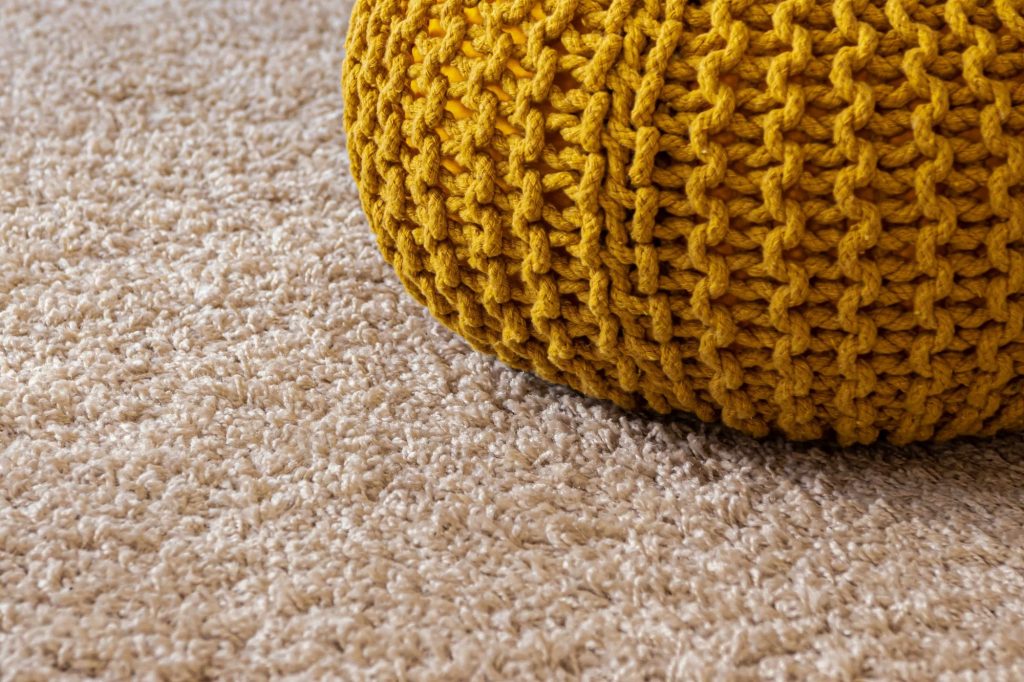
[(804, 216)]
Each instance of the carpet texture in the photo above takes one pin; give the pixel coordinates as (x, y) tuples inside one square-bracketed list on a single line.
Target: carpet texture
[(232, 447)]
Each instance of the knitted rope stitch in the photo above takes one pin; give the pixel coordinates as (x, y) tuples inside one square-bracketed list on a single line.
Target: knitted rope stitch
[(805, 216)]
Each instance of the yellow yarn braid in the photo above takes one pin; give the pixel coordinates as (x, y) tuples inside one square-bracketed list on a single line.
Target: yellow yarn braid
[(797, 215)]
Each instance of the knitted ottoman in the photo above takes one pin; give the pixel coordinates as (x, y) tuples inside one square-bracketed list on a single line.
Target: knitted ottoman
[(803, 216)]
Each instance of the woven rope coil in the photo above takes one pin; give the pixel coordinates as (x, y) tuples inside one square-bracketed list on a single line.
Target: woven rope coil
[(798, 216)]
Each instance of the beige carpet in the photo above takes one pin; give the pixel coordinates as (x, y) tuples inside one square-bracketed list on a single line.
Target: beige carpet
[(231, 447)]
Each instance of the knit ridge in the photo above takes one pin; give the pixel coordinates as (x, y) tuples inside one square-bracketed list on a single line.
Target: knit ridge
[(795, 216)]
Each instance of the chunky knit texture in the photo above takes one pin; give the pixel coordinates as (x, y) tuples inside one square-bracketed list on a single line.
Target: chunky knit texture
[(804, 216)]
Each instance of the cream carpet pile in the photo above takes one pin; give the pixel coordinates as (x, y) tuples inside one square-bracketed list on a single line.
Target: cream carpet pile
[(231, 447)]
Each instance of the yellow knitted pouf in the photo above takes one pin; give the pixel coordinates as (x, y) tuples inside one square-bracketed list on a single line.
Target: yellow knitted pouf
[(804, 216)]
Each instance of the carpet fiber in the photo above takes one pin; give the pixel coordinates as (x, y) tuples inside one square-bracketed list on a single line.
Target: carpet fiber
[(232, 447)]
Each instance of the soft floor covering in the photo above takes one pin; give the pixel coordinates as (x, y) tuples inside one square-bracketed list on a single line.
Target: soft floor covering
[(231, 447)]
